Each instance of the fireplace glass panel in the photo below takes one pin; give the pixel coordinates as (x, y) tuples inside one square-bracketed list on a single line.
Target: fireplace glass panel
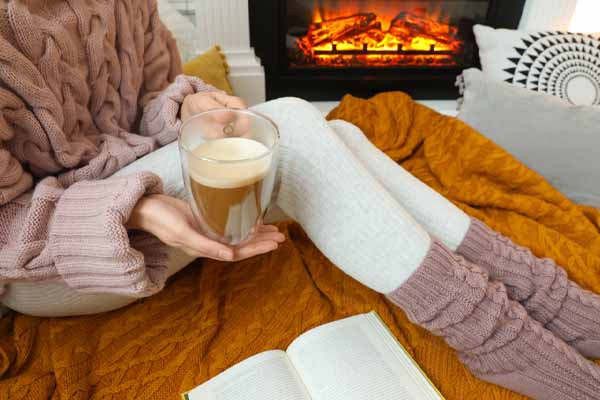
[(328, 34)]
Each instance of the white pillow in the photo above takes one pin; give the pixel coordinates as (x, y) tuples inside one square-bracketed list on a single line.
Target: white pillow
[(559, 140), (562, 64)]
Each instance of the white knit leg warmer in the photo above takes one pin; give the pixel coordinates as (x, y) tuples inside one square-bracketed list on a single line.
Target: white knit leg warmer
[(345, 211), (434, 212)]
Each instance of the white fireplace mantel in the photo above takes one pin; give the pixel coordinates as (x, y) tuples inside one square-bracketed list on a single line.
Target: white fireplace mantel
[(547, 14), (226, 23)]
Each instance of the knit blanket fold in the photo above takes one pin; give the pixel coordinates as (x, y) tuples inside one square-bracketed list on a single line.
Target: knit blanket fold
[(213, 315)]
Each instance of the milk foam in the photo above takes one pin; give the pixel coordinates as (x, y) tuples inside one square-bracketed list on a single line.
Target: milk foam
[(229, 175)]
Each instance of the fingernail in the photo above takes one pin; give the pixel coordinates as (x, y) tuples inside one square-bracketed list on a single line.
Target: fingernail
[(226, 255)]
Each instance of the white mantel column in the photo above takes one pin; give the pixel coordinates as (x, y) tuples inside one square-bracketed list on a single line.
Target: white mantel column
[(547, 15), (226, 23)]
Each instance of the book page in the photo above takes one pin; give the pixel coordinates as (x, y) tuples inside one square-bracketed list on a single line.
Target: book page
[(265, 376), (357, 358)]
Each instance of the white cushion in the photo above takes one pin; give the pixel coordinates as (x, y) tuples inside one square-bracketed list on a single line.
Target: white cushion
[(559, 140), (562, 64)]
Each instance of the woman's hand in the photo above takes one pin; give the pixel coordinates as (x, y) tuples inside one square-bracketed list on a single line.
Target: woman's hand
[(171, 220), (204, 101)]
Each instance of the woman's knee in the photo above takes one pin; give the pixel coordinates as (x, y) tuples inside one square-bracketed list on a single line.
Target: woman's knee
[(345, 130), (287, 106), (297, 119), (291, 111)]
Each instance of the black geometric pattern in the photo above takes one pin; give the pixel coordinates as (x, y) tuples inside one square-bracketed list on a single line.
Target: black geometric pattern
[(558, 63)]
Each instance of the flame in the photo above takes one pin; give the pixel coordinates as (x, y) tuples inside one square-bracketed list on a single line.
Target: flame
[(316, 17), (345, 36)]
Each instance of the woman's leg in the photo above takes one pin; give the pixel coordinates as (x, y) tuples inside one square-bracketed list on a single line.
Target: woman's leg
[(540, 285), (354, 221), (338, 203), (435, 213)]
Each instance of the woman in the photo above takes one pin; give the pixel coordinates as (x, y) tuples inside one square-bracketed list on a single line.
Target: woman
[(86, 226)]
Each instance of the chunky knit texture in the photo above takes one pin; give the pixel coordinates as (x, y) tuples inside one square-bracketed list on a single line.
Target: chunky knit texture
[(77, 79), (494, 336), (541, 286)]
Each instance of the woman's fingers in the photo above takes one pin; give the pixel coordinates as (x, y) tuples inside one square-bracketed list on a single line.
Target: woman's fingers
[(199, 246), (267, 228), (266, 239), (267, 236), (196, 103), (206, 247), (172, 221), (260, 243), (255, 248), (199, 102), (221, 124), (264, 232), (237, 123), (227, 100), (264, 229)]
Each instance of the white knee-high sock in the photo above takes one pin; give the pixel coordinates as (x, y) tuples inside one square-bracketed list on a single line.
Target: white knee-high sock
[(345, 211), (434, 212)]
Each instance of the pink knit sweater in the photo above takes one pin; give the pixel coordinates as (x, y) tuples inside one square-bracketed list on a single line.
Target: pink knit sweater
[(84, 91)]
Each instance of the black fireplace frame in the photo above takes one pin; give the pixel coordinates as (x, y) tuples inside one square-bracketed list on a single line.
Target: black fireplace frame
[(267, 38)]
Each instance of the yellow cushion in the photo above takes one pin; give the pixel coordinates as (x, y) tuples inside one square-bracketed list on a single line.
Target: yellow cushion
[(211, 67)]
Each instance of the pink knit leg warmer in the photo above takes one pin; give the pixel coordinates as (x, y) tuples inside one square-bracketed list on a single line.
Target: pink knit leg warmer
[(493, 335), (541, 286)]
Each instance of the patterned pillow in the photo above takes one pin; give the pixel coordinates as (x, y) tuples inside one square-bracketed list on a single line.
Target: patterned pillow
[(562, 64)]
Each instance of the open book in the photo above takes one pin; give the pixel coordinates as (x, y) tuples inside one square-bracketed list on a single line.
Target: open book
[(356, 358)]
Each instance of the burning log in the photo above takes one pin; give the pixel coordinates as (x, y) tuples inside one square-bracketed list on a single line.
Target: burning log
[(343, 28), (407, 25), (414, 38)]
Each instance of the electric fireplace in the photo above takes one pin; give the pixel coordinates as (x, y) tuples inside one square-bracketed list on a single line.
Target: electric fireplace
[(322, 49)]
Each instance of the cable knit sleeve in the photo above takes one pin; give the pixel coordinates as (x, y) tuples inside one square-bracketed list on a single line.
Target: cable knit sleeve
[(494, 336), (161, 62), (77, 234), (61, 138), (161, 114), (95, 212), (40, 238)]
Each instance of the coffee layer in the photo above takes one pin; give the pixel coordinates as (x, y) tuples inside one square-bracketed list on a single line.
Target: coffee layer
[(240, 166)]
